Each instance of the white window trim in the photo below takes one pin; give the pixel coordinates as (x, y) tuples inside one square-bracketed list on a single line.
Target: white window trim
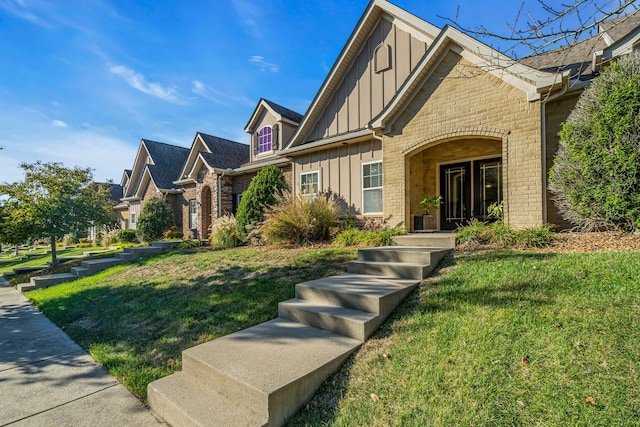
[(362, 165), (264, 153), (317, 171)]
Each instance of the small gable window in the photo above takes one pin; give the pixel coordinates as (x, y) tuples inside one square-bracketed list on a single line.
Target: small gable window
[(264, 139)]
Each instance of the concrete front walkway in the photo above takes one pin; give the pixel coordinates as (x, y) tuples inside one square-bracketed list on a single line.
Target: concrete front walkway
[(46, 379)]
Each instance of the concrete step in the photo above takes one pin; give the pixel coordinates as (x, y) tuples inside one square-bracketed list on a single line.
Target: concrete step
[(24, 287), (141, 251), (390, 269), (379, 295), (271, 369), (165, 245), (180, 400), (344, 321), (80, 271), (38, 282), (430, 240), (125, 256), (408, 254), (95, 265), (20, 270)]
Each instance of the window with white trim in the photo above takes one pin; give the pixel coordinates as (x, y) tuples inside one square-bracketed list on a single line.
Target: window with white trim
[(372, 188), (193, 214), (309, 183), (264, 139)]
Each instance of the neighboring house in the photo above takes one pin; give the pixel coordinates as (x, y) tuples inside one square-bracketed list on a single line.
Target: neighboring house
[(408, 110), (155, 168), (115, 193), (121, 209)]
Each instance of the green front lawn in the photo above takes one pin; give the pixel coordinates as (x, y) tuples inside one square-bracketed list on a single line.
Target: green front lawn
[(41, 258), (137, 318), (504, 338), (500, 338)]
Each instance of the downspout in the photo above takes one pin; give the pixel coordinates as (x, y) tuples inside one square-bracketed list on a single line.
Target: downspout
[(220, 194), (543, 108)]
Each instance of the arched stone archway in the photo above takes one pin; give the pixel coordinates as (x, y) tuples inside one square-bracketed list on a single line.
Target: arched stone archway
[(205, 203)]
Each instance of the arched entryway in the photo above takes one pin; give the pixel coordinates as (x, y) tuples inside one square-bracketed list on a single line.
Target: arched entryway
[(205, 203), (465, 172)]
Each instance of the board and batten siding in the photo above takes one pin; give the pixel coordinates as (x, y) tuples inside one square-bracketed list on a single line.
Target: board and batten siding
[(364, 93), (340, 171)]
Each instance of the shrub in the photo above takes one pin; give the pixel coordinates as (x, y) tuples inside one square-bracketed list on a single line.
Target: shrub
[(595, 178), (172, 233), (109, 237), (264, 187), (127, 236), (224, 233), (473, 234), (535, 237), (298, 219), (189, 244), (367, 238), (477, 233), (156, 217)]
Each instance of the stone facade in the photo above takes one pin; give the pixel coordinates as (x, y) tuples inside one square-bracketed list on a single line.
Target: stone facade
[(455, 104)]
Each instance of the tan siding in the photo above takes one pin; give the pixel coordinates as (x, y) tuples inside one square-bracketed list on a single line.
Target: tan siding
[(363, 93), (340, 171)]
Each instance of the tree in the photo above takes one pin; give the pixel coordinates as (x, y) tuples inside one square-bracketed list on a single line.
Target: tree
[(549, 25), (155, 219), (595, 178), (54, 200), (14, 228), (262, 191)]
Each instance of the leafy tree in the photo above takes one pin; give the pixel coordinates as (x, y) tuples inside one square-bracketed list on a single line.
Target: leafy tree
[(596, 173), (155, 219), (262, 191), (54, 200), (14, 229)]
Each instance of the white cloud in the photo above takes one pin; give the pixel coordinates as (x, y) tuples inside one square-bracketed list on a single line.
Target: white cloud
[(58, 124), (263, 65), (20, 9), (216, 96), (249, 15), (138, 82)]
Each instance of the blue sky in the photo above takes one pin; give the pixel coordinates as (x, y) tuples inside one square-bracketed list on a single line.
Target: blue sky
[(82, 81)]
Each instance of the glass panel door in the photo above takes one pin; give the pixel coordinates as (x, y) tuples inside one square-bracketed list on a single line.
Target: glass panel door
[(455, 188), (488, 187)]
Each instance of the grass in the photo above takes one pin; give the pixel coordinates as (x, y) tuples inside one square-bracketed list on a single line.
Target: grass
[(501, 338), (40, 258), (136, 318), (498, 338)]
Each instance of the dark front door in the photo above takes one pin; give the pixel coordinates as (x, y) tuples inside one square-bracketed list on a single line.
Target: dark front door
[(467, 190), (455, 189)]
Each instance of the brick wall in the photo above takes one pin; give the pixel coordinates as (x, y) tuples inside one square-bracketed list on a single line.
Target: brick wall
[(459, 104)]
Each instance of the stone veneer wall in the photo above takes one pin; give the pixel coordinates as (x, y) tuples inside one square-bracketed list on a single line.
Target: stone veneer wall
[(459, 101)]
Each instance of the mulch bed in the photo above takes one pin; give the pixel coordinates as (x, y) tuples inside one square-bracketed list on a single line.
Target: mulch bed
[(595, 241)]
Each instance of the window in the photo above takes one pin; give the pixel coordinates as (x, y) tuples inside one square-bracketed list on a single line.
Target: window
[(132, 220), (264, 139), (372, 188), (309, 183), (193, 214)]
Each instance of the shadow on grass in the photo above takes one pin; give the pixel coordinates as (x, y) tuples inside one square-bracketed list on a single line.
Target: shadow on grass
[(138, 328)]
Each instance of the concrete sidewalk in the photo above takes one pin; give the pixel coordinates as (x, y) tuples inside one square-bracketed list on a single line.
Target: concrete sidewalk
[(46, 379)]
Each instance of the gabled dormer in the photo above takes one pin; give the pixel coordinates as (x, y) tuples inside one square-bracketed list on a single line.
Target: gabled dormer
[(271, 127)]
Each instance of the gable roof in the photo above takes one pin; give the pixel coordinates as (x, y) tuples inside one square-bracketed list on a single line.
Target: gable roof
[(371, 16), (532, 81), (167, 162), (224, 153), (579, 57), (215, 153), (276, 109)]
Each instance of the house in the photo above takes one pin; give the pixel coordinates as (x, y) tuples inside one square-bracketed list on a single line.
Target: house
[(155, 168), (408, 110)]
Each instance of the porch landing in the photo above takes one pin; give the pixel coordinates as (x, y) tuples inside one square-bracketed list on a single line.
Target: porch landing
[(427, 239)]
